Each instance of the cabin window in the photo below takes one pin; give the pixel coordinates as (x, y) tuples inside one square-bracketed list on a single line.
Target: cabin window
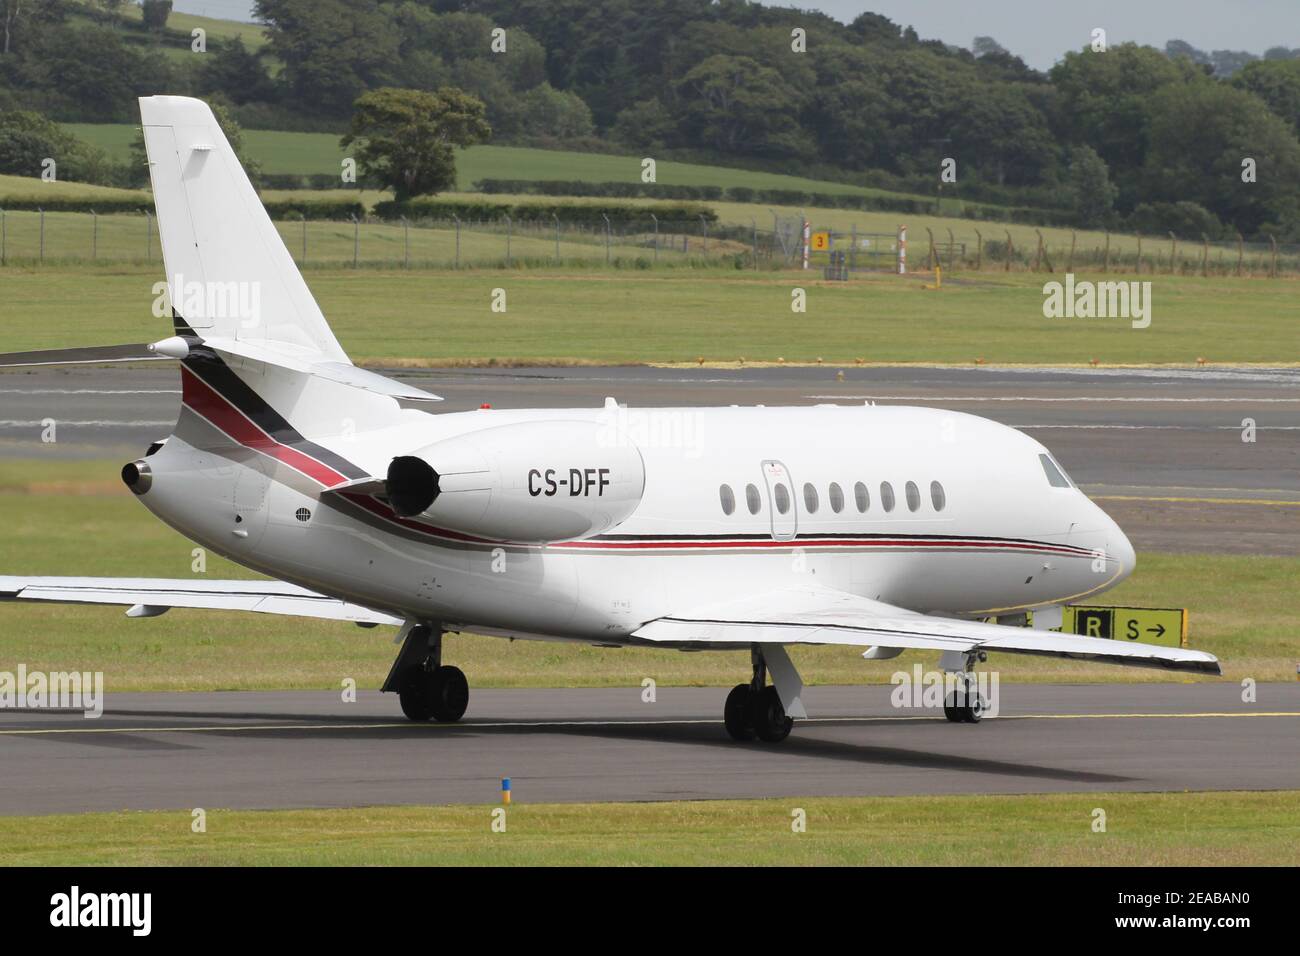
[(887, 496), (836, 498), (937, 497), (913, 495), (782, 496), (861, 497), (752, 499), (1055, 477), (810, 498), (728, 499)]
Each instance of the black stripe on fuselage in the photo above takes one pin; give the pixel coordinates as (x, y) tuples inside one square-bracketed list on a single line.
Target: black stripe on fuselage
[(221, 378)]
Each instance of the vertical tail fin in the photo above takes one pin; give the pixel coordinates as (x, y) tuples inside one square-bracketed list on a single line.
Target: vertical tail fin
[(229, 273)]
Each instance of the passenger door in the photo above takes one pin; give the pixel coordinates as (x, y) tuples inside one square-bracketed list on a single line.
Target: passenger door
[(781, 501)]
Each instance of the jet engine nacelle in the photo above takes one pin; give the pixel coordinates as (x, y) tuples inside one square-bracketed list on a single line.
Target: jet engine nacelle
[(532, 481)]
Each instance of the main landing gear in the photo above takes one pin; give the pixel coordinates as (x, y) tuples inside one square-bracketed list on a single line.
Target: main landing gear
[(755, 709), (427, 688), (965, 704)]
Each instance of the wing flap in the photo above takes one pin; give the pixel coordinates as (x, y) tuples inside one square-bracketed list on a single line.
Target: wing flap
[(263, 597)]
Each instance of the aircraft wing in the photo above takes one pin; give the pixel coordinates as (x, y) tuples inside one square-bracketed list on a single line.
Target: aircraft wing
[(149, 597), (816, 615)]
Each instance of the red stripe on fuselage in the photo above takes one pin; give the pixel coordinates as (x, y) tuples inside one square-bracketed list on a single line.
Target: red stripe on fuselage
[(202, 398)]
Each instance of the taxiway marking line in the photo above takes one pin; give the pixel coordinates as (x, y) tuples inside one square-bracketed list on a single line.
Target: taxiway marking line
[(1202, 501), (593, 723)]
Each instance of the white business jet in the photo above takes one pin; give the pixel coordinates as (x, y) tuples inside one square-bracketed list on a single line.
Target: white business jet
[(752, 529)]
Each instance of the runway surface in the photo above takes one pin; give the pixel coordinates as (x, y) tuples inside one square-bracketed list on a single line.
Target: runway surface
[(309, 749), (1160, 449)]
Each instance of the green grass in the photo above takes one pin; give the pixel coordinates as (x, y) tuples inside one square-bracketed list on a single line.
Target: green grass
[(75, 518), (621, 316), (280, 151), (1142, 829)]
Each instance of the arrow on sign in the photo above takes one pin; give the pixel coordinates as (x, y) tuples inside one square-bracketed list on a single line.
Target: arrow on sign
[(1158, 630)]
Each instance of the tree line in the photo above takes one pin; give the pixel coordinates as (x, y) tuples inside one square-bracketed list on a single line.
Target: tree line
[(1135, 137)]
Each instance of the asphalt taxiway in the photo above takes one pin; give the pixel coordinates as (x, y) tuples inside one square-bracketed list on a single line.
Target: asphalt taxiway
[(310, 749)]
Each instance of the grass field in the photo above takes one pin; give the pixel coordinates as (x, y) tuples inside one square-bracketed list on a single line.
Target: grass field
[(71, 517), (280, 151), (622, 316), (1142, 829)]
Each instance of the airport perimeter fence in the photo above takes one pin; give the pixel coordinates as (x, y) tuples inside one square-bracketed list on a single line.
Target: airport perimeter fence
[(1060, 252), (30, 237), (33, 236)]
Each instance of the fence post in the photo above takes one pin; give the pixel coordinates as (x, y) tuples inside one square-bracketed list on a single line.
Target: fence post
[(704, 228), (148, 236), (1038, 255), (1138, 270), (2, 237), (979, 250), (753, 224), (1074, 238), (656, 237), (42, 212), (1205, 255), (929, 233), (1105, 259), (1173, 251), (1273, 241), (853, 247), (606, 218), (94, 236), (1011, 249), (304, 239), (457, 218), (1241, 251), (509, 228), (902, 250), (406, 243), (1047, 256), (952, 247), (356, 239)]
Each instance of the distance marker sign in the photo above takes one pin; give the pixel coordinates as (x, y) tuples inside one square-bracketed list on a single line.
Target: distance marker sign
[(821, 241)]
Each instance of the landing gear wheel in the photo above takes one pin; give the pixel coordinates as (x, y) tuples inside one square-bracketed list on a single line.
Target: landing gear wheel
[(951, 710), (768, 715), (441, 694), (735, 713), (965, 708), (413, 692), (449, 693)]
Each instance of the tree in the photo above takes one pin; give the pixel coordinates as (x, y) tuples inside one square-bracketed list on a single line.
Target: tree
[(985, 46), (645, 124), (1277, 83), (155, 14), (1200, 135), (236, 73), (1092, 194), (28, 139), (406, 138), (555, 114), (736, 105)]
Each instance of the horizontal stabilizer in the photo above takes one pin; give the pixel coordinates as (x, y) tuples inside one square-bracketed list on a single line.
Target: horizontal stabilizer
[(87, 355)]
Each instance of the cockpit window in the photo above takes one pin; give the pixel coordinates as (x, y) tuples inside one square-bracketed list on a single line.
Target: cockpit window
[(1055, 477)]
